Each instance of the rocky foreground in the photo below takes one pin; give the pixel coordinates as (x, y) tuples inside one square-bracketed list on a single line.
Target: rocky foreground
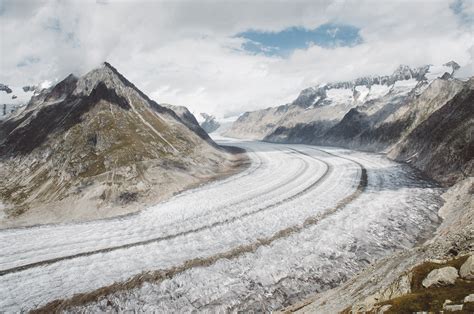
[(435, 276)]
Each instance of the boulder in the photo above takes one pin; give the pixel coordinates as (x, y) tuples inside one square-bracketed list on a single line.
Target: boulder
[(450, 307), (453, 307), (469, 298), (467, 269), (441, 277)]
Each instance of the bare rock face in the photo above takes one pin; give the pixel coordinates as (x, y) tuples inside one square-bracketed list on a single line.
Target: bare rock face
[(210, 123), (190, 121), (30, 88), (453, 307), (5, 88), (399, 287), (469, 298), (467, 269), (441, 277), (95, 142), (442, 145)]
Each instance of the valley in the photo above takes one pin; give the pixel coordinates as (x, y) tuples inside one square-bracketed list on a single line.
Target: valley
[(301, 219)]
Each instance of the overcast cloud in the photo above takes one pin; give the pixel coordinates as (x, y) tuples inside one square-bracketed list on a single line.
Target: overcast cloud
[(189, 52)]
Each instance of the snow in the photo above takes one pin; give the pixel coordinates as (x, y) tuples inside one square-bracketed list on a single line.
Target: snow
[(225, 124), (199, 118), (22, 97), (364, 92), (284, 186), (340, 96), (13, 104), (436, 71), (20, 102), (404, 87)]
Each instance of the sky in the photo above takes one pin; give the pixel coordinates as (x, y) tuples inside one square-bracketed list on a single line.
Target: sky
[(227, 57)]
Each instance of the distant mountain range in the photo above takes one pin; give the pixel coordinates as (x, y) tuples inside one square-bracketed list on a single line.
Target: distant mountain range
[(423, 116)]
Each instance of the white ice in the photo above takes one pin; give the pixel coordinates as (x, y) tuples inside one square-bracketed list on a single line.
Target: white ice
[(284, 185)]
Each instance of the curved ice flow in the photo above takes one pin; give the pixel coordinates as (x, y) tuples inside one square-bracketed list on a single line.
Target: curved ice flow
[(277, 173)]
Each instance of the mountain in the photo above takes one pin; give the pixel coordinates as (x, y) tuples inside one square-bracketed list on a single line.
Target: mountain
[(210, 124), (379, 114), (442, 145), (328, 103), (96, 146), (426, 119)]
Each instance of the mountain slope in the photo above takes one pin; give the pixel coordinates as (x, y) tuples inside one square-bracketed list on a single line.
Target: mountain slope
[(442, 145), (380, 114), (96, 146)]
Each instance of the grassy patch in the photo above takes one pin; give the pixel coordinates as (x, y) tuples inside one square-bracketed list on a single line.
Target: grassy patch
[(433, 298), (421, 271)]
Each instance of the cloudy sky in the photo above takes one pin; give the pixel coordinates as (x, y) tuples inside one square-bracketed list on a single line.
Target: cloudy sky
[(226, 57)]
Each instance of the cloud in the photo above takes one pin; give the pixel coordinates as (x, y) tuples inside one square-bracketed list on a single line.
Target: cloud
[(186, 52)]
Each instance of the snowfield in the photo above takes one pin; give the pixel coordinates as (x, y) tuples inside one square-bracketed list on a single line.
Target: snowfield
[(300, 219)]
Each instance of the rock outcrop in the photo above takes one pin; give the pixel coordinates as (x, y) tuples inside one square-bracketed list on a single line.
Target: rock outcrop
[(5, 88), (441, 277), (467, 269)]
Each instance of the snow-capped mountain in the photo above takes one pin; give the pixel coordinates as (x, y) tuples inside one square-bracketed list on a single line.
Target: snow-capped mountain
[(372, 113), (371, 87), (331, 101), (97, 142)]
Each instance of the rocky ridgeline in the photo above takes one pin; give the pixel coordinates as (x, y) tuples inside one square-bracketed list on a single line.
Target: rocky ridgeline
[(317, 95)]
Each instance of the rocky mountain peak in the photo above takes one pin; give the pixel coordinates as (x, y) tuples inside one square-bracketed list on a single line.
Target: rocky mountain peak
[(105, 74)]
